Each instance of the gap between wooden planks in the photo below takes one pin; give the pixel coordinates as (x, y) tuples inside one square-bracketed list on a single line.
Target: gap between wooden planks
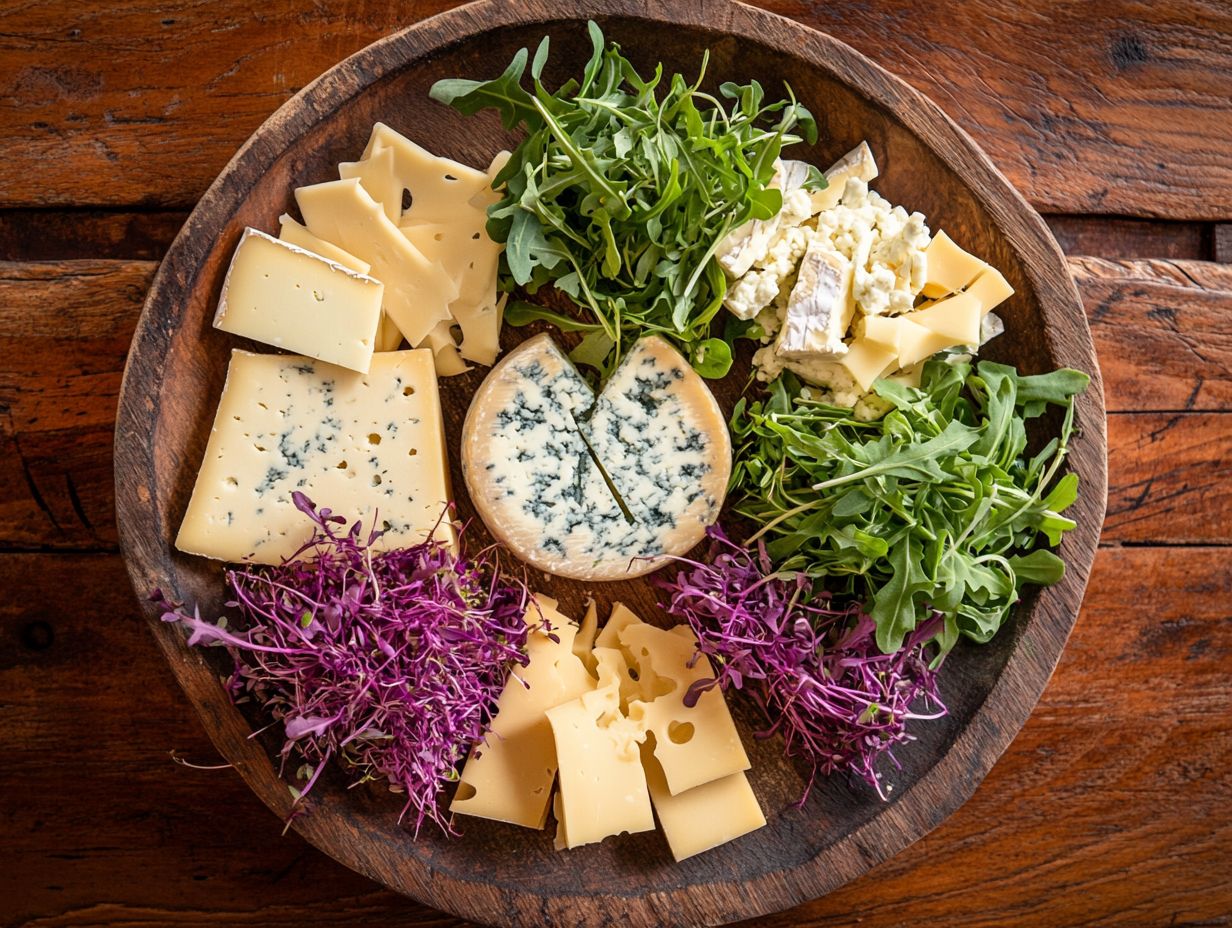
[(1114, 108), (1160, 330), (1114, 795)]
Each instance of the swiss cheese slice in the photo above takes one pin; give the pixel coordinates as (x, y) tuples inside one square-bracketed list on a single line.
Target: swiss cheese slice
[(694, 744), (602, 785), (417, 292), (990, 289), (509, 776), (867, 360), (368, 446), (916, 343), (956, 317), (377, 174), (291, 231), (705, 816), (282, 295), (655, 429), (437, 185)]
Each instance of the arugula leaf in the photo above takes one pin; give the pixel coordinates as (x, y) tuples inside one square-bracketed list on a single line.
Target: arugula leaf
[(933, 508), (619, 194)]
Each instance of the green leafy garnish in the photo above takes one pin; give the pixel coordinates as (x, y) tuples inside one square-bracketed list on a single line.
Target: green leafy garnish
[(619, 195), (933, 507)]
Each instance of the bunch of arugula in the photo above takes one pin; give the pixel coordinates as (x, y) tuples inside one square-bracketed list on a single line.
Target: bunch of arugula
[(933, 508), (619, 198)]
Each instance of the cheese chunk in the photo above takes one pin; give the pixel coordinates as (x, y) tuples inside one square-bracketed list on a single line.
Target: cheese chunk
[(282, 295), (697, 744), (508, 778), (856, 163), (866, 361), (437, 185), (705, 816), (377, 175), (949, 267), (819, 309), (656, 430), (417, 292), (956, 317), (368, 446), (990, 289), (602, 784), (291, 231), (916, 343)]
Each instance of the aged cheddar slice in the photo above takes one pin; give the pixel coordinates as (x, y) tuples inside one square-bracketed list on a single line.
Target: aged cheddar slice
[(655, 429), (856, 163), (819, 308), (949, 267), (417, 292), (694, 744), (602, 784), (282, 295), (705, 816), (509, 776), (437, 185), (291, 231), (368, 446)]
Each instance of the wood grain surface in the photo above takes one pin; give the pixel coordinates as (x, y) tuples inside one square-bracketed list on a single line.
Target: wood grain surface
[(1110, 808)]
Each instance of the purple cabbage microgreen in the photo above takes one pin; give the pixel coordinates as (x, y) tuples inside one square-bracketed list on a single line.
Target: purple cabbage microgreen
[(813, 670), (388, 661)]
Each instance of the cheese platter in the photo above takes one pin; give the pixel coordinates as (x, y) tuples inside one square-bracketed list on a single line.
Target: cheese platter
[(643, 502)]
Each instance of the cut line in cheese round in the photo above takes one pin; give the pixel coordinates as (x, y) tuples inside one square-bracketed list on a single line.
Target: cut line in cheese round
[(535, 431)]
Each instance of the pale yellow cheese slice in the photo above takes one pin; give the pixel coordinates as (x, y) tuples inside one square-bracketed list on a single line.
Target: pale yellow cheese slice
[(602, 785), (417, 292), (437, 185), (377, 173), (705, 816), (867, 360), (440, 340), (697, 744), (584, 642), (291, 231), (917, 343), (509, 776), (991, 289), (956, 317), (949, 268)]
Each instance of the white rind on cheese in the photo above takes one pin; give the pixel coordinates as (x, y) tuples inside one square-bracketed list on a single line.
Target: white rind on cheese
[(368, 446), (656, 429), (819, 309), (417, 292), (282, 295)]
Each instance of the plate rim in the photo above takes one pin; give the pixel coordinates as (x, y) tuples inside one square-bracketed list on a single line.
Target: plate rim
[(1033, 654)]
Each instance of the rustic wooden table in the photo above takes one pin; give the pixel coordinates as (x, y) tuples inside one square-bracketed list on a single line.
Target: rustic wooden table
[(1111, 807)]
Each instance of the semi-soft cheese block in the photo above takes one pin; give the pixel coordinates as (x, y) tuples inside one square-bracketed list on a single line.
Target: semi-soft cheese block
[(509, 776), (694, 744), (279, 294), (417, 292), (602, 784), (367, 446), (705, 816), (655, 429)]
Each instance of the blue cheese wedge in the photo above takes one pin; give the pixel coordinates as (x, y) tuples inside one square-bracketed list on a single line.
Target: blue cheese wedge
[(819, 309), (368, 446), (656, 430), (282, 295)]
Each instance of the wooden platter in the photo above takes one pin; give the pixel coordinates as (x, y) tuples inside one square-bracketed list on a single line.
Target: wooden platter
[(504, 875)]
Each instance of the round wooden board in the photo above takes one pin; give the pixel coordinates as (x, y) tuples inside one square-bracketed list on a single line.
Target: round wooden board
[(504, 875)]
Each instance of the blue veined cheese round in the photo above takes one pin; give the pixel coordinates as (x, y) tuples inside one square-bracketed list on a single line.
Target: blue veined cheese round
[(596, 488)]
